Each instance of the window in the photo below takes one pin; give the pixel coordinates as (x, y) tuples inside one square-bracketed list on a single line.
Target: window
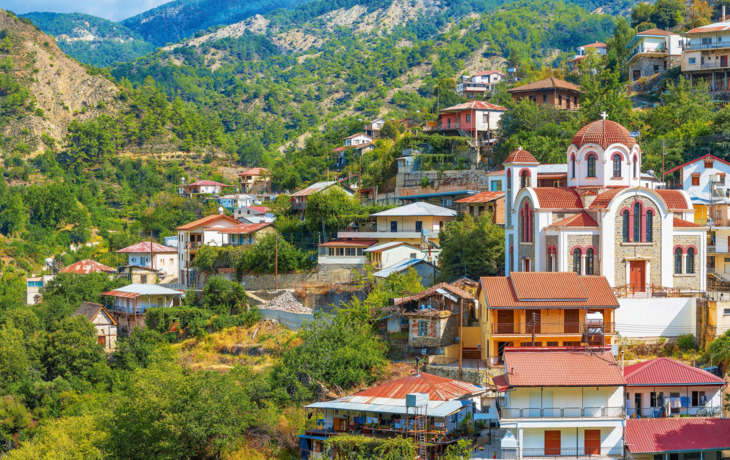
[(591, 165), (691, 260), (695, 180), (726, 312), (656, 69), (143, 279), (637, 221), (496, 186), (575, 100), (524, 178), (419, 226), (360, 251), (709, 164), (678, 261), (589, 261), (485, 118), (522, 225), (509, 179), (572, 167), (636, 168), (567, 103), (576, 260), (693, 61), (625, 225), (544, 98), (560, 100), (393, 226), (649, 226), (423, 328), (468, 118), (656, 399), (698, 398), (617, 166)]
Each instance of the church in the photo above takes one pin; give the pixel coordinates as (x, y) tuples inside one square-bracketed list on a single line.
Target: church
[(604, 222)]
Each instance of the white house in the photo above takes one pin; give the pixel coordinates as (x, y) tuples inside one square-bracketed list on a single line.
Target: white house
[(129, 304), (479, 84), (153, 255), (33, 287), (106, 325), (653, 52), (384, 255), (562, 403), (193, 235), (357, 139), (599, 48), (706, 54), (704, 179), (373, 128), (347, 251), (202, 186)]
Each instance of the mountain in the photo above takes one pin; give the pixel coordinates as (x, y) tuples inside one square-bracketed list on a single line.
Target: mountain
[(90, 39), (180, 19), (42, 90)]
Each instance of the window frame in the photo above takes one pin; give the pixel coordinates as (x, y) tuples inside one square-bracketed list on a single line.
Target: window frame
[(591, 160), (617, 167), (690, 263), (422, 328), (678, 261), (590, 255), (649, 231), (577, 262)]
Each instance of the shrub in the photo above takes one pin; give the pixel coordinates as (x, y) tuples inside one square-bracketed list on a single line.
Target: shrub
[(686, 342)]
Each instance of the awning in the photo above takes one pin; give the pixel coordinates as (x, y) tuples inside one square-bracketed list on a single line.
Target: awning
[(442, 410)]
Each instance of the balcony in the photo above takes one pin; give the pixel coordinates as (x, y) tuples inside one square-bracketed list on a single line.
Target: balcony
[(658, 52), (573, 452), (714, 65), (706, 46), (557, 328), (686, 411), (562, 412), (377, 234)]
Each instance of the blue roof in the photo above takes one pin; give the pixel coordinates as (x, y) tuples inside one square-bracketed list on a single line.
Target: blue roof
[(436, 194)]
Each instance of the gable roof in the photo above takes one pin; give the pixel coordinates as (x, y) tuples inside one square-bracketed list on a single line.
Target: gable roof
[(439, 288), (207, 182), (390, 245), (206, 220), (663, 33), (474, 105), (675, 199), (86, 266), (358, 135), (404, 265), (136, 290), (91, 309), (483, 197), (348, 243), (438, 388), (595, 45), (314, 188), (664, 435), (582, 220), (419, 208), (547, 290), (144, 247), (528, 367), (713, 157), (547, 84), (681, 223), (245, 229), (716, 27), (253, 172), (668, 372), (486, 72), (557, 198)]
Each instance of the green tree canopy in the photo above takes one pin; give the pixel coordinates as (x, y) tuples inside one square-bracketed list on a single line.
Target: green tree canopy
[(471, 248)]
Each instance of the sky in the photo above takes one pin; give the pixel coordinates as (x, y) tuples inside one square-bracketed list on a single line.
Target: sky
[(116, 10)]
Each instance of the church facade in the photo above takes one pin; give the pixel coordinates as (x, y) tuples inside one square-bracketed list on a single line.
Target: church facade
[(603, 222)]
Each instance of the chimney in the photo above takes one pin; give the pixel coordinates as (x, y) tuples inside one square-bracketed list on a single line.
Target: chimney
[(418, 371)]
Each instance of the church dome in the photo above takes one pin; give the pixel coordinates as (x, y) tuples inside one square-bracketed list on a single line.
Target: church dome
[(603, 133), (520, 156)]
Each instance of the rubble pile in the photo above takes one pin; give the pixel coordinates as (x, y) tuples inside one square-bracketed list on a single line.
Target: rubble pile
[(286, 302)]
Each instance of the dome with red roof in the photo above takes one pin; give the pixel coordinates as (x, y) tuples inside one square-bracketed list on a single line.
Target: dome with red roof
[(520, 156), (603, 133)]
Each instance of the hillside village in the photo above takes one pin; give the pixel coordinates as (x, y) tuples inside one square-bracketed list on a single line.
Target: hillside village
[(528, 270)]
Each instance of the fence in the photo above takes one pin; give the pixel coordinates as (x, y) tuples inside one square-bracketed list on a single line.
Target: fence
[(563, 412), (579, 452)]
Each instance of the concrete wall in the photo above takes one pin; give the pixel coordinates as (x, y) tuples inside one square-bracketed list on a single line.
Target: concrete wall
[(293, 321), (651, 318)]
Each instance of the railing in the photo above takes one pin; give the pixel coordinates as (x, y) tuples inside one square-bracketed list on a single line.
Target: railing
[(548, 328), (659, 412), (661, 50), (297, 206), (706, 46), (714, 65), (563, 412), (580, 452), (624, 290)]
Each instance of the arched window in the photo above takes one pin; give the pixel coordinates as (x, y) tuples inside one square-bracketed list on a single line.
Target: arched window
[(524, 178), (548, 260), (625, 225), (509, 179), (530, 215), (636, 167), (617, 165), (678, 261), (649, 226), (589, 261), (522, 225), (591, 165), (572, 167), (691, 260), (637, 221), (576, 260)]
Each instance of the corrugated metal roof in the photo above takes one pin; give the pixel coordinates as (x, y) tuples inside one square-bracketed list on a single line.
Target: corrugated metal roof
[(438, 388), (253, 172), (499, 291), (433, 289), (346, 243), (86, 266), (715, 27), (483, 197), (314, 188), (570, 368), (206, 220), (419, 208), (435, 408), (136, 290), (474, 105), (401, 266), (664, 435), (546, 84), (144, 247), (668, 372)]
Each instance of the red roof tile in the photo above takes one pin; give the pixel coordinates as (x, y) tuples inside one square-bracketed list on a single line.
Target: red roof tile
[(245, 229), (570, 368), (583, 220), (520, 156), (557, 198), (663, 33), (604, 199), (254, 172), (663, 435), (547, 290), (501, 383), (596, 45), (349, 243), (603, 133), (546, 84), (206, 220), (714, 158), (710, 28), (668, 372), (474, 105), (86, 266), (144, 247), (261, 209), (675, 199), (483, 197), (444, 286), (685, 224), (438, 388), (207, 182)]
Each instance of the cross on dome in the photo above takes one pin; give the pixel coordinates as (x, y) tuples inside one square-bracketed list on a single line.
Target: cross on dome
[(604, 115)]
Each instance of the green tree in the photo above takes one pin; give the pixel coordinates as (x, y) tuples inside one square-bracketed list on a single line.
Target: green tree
[(667, 13), (332, 210), (618, 53), (71, 349), (14, 362), (471, 248), (605, 92), (16, 422), (81, 437), (224, 296), (460, 451)]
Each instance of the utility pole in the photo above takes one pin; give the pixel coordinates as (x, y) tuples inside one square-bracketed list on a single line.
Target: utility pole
[(276, 261), (663, 158), (461, 338), (152, 264), (359, 180)]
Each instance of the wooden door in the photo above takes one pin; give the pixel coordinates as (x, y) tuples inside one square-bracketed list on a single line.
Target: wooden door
[(527, 265), (571, 321), (101, 340), (505, 321), (340, 424), (592, 442), (637, 275), (552, 442), (723, 61)]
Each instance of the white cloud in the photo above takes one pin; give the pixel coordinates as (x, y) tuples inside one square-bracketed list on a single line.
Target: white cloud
[(116, 10)]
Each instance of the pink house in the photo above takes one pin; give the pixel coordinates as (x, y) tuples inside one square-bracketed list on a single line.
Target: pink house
[(469, 117)]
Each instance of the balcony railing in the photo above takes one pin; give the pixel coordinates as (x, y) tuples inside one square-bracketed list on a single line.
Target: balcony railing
[(563, 412), (706, 46), (580, 452), (659, 412), (714, 65), (547, 328), (641, 50)]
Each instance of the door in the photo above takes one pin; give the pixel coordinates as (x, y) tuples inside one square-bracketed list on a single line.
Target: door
[(571, 321), (552, 442), (637, 275), (592, 442), (505, 321), (527, 264), (101, 340), (723, 61)]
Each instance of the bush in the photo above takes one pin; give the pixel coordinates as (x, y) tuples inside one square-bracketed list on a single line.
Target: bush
[(686, 342)]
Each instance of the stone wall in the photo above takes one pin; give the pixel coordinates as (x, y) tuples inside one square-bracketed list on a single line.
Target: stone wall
[(584, 241), (638, 251), (646, 64), (327, 274), (293, 321), (525, 250), (441, 332), (687, 281)]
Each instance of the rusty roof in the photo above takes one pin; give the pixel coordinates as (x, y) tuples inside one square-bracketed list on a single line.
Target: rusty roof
[(253, 172), (483, 197), (432, 290), (86, 266), (527, 367), (245, 229), (205, 221), (668, 372), (520, 156), (474, 105), (438, 388), (582, 220), (348, 243), (144, 247), (603, 133), (664, 435), (557, 198), (314, 188), (550, 83), (547, 290)]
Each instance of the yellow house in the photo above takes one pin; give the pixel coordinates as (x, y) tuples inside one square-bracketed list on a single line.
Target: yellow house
[(544, 309)]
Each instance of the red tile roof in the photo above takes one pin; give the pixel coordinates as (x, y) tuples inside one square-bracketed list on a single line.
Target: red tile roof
[(206, 220), (349, 243), (685, 224), (86, 266), (583, 220), (501, 383), (261, 209), (596, 45), (710, 28), (254, 172), (714, 158), (663, 33), (668, 372), (438, 388), (443, 286), (474, 105), (547, 290), (144, 247), (604, 199), (557, 198), (547, 84), (570, 368), (663, 435), (603, 133), (208, 182), (245, 229), (675, 199), (483, 197), (520, 156)]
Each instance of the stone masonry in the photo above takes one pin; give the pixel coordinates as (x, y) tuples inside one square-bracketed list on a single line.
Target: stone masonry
[(625, 252), (687, 281)]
